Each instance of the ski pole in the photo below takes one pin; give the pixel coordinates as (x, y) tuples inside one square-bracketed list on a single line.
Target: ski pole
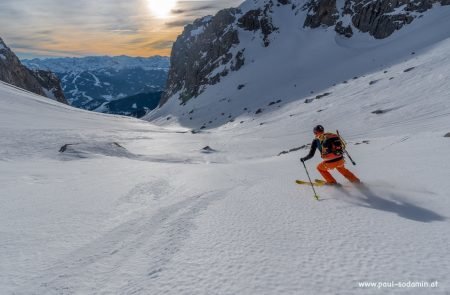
[(312, 186), (345, 148)]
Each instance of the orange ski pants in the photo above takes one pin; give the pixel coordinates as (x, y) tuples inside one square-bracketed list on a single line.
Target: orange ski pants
[(340, 166)]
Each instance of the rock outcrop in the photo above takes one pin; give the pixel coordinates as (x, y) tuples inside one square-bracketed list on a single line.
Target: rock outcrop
[(51, 85), (259, 19), (203, 47), (321, 12), (208, 49), (379, 18), (13, 72)]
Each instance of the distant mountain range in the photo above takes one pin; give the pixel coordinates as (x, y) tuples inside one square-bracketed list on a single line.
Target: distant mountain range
[(92, 82)]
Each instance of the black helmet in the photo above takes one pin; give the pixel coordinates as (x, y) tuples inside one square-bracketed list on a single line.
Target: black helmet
[(318, 128)]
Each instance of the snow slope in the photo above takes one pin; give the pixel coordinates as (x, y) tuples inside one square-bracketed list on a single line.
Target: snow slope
[(297, 63), (133, 208)]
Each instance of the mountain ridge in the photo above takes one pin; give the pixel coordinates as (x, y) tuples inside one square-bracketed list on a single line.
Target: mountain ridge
[(228, 55), (43, 83)]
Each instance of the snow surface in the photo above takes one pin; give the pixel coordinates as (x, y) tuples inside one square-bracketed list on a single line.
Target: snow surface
[(130, 207), (97, 81), (197, 31), (49, 93), (133, 208)]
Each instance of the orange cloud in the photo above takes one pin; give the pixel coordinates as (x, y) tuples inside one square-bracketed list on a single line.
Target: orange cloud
[(101, 27)]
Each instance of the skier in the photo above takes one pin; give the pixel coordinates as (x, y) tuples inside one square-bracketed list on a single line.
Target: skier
[(331, 149)]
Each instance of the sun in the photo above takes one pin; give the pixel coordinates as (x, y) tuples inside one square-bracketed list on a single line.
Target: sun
[(161, 8)]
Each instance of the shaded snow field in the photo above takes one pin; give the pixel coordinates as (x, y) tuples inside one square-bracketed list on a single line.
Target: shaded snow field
[(133, 208)]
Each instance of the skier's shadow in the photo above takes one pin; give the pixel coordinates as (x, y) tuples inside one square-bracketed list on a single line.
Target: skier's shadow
[(400, 206)]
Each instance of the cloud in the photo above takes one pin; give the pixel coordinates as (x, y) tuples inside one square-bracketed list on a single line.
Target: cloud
[(194, 9), (97, 27), (12, 12), (31, 40), (188, 11), (44, 32), (29, 51), (138, 40), (161, 44), (127, 29), (179, 23), (178, 11)]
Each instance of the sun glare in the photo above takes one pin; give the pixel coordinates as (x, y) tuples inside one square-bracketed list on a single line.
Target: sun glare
[(161, 8)]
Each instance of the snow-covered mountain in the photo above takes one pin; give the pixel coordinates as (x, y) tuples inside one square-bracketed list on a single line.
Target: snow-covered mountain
[(90, 82), (266, 53), (100, 204), (41, 82)]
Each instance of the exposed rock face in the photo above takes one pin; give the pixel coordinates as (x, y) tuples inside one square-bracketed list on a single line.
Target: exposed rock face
[(375, 17), (346, 31), (379, 18), (13, 72), (51, 85), (208, 49), (321, 12), (259, 19), (203, 47)]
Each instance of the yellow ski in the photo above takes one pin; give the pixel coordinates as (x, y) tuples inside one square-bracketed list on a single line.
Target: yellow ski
[(315, 183)]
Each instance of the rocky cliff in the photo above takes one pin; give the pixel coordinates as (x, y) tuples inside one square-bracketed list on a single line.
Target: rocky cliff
[(202, 54), (208, 49), (40, 82), (13, 72), (379, 18), (212, 47), (51, 85)]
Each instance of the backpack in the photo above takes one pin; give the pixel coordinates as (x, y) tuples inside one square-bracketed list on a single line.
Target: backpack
[(332, 144)]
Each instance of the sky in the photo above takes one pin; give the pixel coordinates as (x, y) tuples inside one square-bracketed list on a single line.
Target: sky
[(55, 28)]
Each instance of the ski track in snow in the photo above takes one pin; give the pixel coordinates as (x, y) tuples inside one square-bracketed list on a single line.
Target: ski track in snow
[(134, 208), (133, 218), (129, 255)]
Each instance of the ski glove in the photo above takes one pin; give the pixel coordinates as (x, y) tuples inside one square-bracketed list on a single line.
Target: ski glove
[(302, 160)]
